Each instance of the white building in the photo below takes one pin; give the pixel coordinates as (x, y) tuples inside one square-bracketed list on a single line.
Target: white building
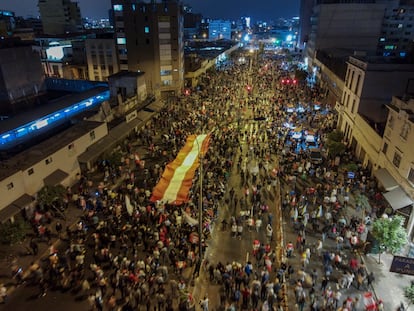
[(52, 162), (382, 144), (369, 86), (101, 55)]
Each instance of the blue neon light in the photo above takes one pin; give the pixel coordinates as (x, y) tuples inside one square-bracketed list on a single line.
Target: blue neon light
[(10, 137)]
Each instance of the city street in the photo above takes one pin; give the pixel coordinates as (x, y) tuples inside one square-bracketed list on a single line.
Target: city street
[(262, 194)]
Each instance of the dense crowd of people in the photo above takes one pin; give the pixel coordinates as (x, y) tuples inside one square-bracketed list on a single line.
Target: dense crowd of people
[(136, 255)]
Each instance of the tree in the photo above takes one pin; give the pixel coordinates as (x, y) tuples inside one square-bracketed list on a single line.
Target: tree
[(390, 234), (51, 198), (409, 293), (301, 74), (335, 145), (13, 232)]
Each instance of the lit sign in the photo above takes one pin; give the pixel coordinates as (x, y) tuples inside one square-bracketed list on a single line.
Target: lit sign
[(56, 52), (41, 123)]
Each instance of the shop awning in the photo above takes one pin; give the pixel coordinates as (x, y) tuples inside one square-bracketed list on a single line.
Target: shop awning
[(15, 207), (156, 106), (385, 179), (109, 141), (55, 178), (144, 116), (397, 198)]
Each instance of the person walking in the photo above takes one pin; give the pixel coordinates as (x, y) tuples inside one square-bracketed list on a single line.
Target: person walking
[(204, 304)]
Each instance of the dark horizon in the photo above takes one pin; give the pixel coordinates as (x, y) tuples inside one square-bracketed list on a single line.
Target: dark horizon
[(264, 10)]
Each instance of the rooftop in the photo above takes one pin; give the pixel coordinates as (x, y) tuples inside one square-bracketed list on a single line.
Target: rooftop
[(33, 155)]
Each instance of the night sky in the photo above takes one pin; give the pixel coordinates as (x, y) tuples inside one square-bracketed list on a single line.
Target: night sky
[(230, 9)]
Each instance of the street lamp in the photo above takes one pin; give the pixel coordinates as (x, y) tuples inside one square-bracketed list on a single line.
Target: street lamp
[(200, 200)]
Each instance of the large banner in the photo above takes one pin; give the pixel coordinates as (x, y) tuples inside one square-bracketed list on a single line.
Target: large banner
[(178, 175)]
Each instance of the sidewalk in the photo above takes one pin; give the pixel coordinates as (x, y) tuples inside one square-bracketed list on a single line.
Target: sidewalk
[(388, 286)]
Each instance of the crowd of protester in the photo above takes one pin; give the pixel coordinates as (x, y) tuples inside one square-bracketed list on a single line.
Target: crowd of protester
[(138, 259)]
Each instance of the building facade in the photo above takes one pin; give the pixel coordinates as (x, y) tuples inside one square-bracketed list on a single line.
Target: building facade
[(60, 16), (21, 75), (102, 60), (219, 29), (150, 39), (397, 34), (352, 25)]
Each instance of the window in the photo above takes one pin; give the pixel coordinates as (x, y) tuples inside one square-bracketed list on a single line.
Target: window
[(411, 175), (121, 40), (353, 106), (405, 130), (146, 29), (385, 148), (92, 135), (30, 171), (10, 186), (118, 7), (391, 121), (48, 161), (396, 160)]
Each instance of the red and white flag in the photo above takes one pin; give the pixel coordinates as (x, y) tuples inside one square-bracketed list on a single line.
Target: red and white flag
[(176, 181)]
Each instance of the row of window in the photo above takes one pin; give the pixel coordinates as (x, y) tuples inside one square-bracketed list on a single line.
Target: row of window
[(142, 8), (49, 160), (396, 161), (405, 128)]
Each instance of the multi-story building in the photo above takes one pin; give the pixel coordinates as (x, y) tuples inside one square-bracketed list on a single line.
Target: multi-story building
[(60, 16), (101, 55), (306, 8), (379, 133), (21, 74), (219, 29), (150, 39), (7, 23), (354, 24), (397, 34), (362, 112), (396, 157)]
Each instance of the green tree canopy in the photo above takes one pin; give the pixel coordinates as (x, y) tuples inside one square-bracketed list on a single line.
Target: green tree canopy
[(335, 135), (390, 233), (300, 74), (49, 195), (409, 294), (334, 143)]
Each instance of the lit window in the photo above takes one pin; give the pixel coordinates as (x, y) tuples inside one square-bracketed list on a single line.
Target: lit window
[(396, 160), (134, 7), (118, 7), (121, 40), (146, 29), (10, 186), (382, 39)]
